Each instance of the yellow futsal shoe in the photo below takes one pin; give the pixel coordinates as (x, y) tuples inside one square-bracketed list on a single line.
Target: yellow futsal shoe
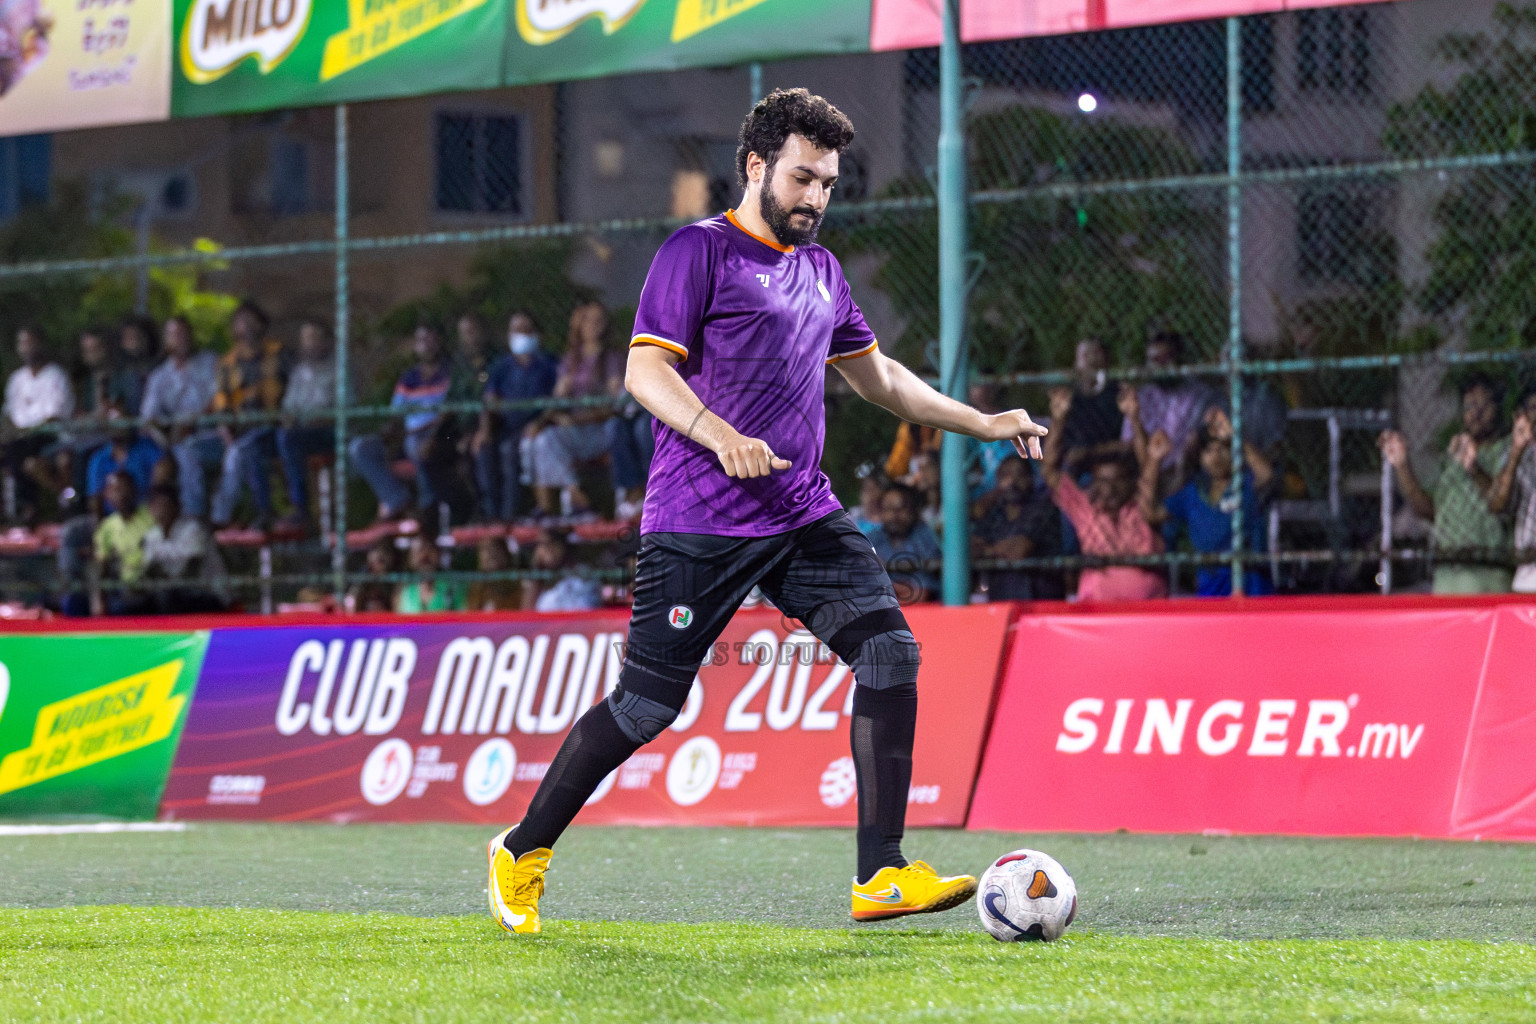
[(914, 889), (516, 885)]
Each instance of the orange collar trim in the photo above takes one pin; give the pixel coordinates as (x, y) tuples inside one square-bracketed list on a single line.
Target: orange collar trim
[(730, 215)]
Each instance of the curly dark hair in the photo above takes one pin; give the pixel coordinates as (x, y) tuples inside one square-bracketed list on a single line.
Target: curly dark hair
[(786, 112)]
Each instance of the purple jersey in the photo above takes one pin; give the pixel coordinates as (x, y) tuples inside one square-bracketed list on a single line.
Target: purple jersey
[(757, 324)]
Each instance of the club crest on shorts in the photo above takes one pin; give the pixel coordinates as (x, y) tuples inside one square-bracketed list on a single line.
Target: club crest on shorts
[(680, 616)]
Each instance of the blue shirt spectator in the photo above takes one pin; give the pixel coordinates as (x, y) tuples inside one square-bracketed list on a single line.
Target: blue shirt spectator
[(137, 458), (514, 377), (420, 389), (905, 543), (1207, 521)]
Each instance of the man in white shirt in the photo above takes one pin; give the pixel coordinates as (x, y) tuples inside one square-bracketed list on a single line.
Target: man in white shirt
[(36, 394), (178, 548)]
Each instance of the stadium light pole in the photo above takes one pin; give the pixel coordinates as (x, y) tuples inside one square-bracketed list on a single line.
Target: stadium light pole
[(952, 301)]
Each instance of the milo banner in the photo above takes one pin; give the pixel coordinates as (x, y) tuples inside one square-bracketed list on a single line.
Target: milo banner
[(556, 40), (459, 720), (236, 55), (88, 723), (80, 63)]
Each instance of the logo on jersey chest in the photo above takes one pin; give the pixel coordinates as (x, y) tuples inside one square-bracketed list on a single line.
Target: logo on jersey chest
[(762, 279)]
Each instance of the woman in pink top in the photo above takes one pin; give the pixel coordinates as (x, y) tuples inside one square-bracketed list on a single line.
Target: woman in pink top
[(1108, 516)]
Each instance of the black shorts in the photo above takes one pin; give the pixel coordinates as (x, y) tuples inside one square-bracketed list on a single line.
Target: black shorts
[(687, 586)]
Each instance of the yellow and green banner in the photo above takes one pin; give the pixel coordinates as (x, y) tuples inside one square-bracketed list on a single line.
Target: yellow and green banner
[(241, 55), (557, 40), (236, 55), (89, 722)]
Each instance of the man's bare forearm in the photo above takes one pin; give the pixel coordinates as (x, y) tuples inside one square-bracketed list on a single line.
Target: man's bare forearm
[(904, 393), (658, 387)]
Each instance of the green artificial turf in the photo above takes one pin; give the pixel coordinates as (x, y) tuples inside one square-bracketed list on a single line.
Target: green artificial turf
[(301, 923), (128, 963)]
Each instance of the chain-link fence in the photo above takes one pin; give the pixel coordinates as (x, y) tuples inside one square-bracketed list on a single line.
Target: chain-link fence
[(1349, 222)]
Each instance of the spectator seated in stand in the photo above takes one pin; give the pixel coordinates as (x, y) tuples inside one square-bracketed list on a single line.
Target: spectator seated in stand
[(37, 393), (1514, 489), (251, 378), (427, 594), (525, 372), (981, 457), (571, 592), (178, 391), (1108, 516), (930, 496), (1015, 520), (1469, 538), (1202, 508), (872, 484), (564, 438), (431, 435), (303, 435), (125, 452), (138, 353), (911, 441), (118, 553), (377, 595), (1174, 405), (103, 391), (178, 549), (494, 595), (905, 544)]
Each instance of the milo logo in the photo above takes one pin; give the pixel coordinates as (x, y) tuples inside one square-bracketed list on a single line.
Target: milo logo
[(543, 21), (218, 34)]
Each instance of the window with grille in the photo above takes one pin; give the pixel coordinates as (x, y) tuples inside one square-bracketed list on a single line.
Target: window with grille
[(479, 163), (26, 169), (1333, 52)]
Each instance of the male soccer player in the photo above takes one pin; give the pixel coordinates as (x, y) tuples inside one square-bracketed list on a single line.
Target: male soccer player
[(739, 318)]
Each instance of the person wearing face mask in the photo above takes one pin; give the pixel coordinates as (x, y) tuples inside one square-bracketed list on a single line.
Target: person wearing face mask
[(525, 372)]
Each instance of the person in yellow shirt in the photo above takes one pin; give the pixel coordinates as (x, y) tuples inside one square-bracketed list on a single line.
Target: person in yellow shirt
[(119, 547)]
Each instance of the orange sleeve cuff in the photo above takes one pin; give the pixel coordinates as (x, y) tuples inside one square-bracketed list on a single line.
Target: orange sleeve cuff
[(651, 339)]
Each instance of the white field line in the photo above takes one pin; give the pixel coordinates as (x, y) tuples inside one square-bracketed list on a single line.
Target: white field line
[(94, 827)]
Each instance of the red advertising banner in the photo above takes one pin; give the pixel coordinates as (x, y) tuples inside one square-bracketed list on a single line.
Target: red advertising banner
[(904, 24), (458, 720), (1345, 720)]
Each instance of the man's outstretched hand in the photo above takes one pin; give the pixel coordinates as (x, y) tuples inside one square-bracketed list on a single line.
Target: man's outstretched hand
[(1016, 426)]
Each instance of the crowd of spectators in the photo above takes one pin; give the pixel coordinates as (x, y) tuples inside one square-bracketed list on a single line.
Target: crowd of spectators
[(139, 504), (1130, 471)]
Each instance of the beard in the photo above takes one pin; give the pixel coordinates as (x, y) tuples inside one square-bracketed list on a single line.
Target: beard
[(777, 218)]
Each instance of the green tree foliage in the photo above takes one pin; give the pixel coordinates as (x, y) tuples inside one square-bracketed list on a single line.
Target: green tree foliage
[(1483, 260), (72, 226)]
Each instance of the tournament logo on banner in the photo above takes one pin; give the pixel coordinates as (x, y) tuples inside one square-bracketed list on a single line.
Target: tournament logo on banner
[(83, 63), (88, 723), (459, 721)]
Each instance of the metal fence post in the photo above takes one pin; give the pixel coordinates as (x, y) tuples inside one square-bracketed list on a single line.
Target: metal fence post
[(1235, 287), (952, 299), (755, 73), (343, 336)]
